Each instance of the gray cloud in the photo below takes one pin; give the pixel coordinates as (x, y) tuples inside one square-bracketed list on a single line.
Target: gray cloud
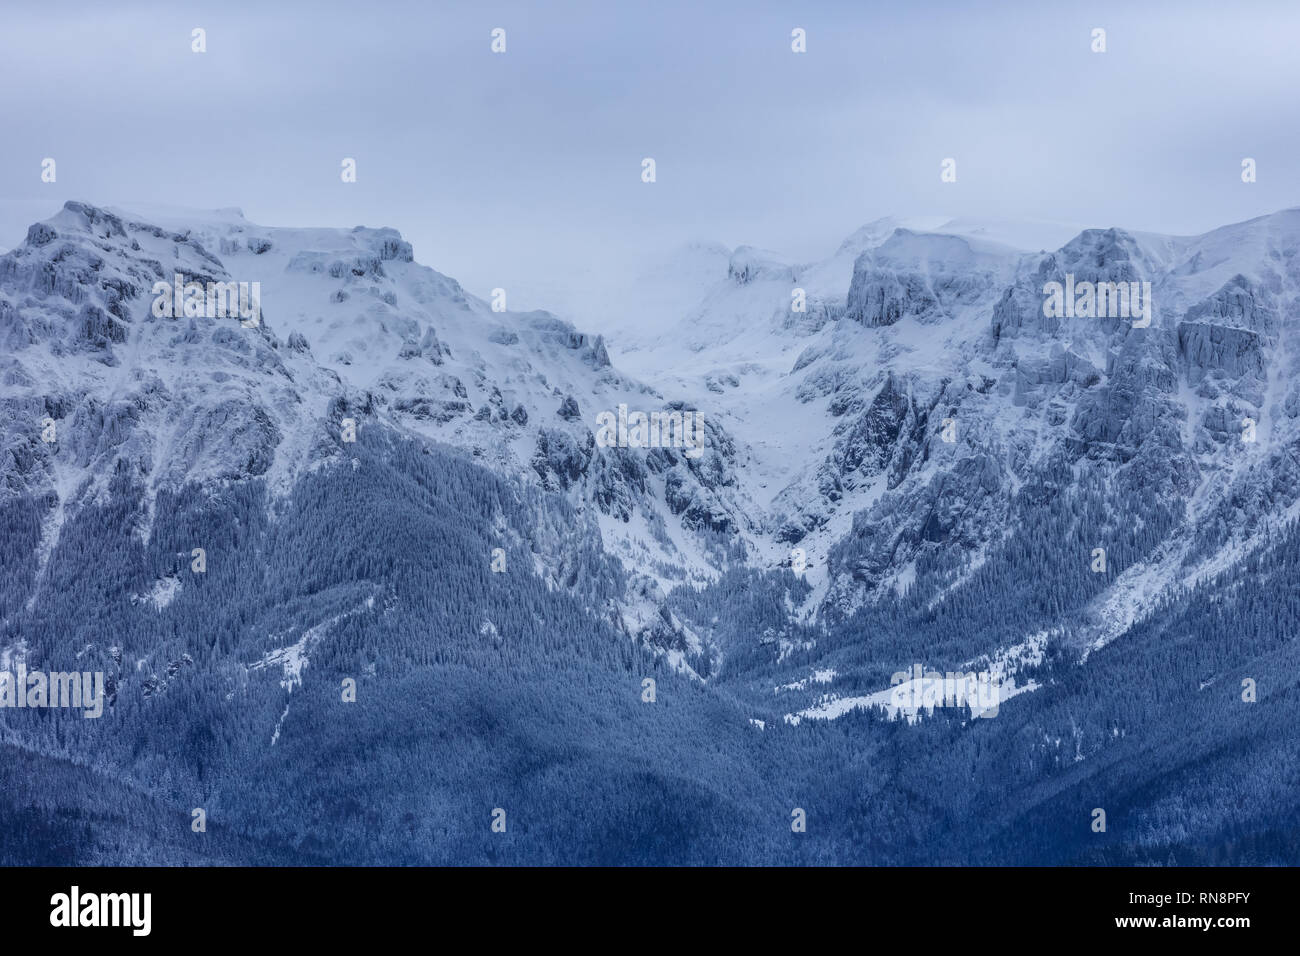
[(527, 165)]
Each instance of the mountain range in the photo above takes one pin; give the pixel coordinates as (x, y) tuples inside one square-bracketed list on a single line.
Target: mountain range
[(912, 464)]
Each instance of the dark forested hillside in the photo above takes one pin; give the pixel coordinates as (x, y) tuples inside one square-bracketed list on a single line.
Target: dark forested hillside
[(478, 690)]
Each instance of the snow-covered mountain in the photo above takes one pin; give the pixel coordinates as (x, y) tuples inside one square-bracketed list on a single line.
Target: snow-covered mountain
[(350, 327), (839, 409), (823, 388), (892, 436)]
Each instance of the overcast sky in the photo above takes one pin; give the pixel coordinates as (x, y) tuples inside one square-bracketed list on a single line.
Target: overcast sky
[(528, 163)]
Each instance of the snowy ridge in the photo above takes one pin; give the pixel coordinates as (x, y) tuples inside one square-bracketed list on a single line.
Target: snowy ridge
[(865, 416)]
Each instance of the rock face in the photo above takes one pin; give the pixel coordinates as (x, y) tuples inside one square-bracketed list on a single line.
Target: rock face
[(201, 398), (927, 278), (1225, 340), (568, 409), (882, 296)]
